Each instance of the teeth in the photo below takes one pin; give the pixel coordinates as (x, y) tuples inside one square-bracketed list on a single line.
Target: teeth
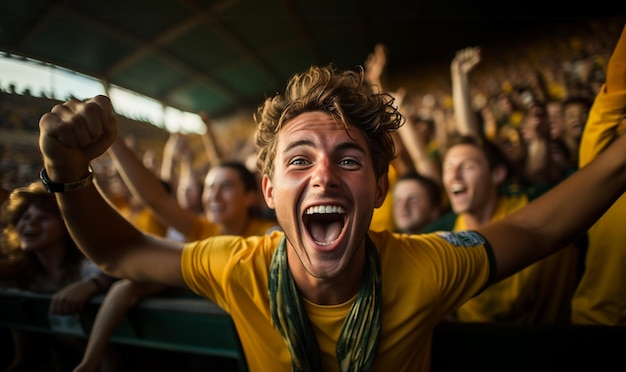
[(215, 208), (457, 188), (325, 209), (323, 243)]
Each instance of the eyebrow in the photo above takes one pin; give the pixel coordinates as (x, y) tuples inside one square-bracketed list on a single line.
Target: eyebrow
[(342, 146), (468, 159), (299, 143)]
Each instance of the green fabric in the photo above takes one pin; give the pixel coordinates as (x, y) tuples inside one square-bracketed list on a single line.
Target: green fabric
[(443, 223), (358, 340)]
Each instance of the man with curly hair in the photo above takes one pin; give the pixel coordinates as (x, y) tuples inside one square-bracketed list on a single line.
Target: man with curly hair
[(325, 293)]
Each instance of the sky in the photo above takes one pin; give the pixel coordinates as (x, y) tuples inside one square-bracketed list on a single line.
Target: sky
[(60, 83)]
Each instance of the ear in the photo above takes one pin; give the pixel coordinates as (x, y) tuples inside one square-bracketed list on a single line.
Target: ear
[(382, 187), (498, 174), (268, 191)]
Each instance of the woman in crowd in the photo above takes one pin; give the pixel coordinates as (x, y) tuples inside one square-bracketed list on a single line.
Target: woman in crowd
[(39, 255)]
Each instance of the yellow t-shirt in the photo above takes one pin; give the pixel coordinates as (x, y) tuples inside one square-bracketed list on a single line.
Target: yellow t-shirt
[(600, 298), (143, 219), (203, 228), (424, 277), (540, 293)]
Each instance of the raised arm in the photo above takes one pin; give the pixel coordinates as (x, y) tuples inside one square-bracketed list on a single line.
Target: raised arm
[(415, 144), (462, 63), (147, 187), (209, 141), (71, 136), (170, 159), (535, 130), (375, 67)]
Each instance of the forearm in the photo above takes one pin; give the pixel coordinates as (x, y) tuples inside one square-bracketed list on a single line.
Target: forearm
[(72, 135), (113, 309), (167, 173), (84, 212), (416, 148), (142, 182), (538, 163), (210, 147), (465, 120), (561, 215)]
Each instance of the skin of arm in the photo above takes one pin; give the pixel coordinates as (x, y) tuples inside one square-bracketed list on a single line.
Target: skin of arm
[(536, 134), (146, 186), (375, 67), (169, 161), (414, 145), (464, 61), (122, 296), (72, 298), (71, 136), (208, 140)]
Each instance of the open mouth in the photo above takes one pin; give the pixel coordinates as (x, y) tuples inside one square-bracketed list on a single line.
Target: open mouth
[(29, 234), (457, 189), (216, 208), (324, 223), (578, 127)]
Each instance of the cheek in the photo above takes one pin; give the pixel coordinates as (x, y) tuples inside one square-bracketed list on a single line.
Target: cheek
[(475, 177), (205, 200)]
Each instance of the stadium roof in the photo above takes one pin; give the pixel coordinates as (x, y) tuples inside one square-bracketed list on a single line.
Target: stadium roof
[(222, 55)]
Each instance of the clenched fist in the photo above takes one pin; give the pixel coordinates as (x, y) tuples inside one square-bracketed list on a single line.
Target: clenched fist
[(73, 134)]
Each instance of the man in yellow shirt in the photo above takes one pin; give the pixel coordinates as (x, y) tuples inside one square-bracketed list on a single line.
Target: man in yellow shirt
[(325, 293), (476, 179)]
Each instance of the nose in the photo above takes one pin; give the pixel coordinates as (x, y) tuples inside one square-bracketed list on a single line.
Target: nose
[(451, 172), (29, 222), (325, 174)]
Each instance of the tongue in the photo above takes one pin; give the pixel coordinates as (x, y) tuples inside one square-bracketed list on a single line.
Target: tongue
[(325, 232)]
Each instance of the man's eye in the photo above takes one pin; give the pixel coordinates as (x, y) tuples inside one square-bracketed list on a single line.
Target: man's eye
[(298, 161), (348, 162), (468, 166)]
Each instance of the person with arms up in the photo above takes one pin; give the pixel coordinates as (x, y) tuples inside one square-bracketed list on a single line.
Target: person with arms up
[(229, 197), (325, 292)]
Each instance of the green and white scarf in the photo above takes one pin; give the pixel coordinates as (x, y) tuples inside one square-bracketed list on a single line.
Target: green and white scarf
[(358, 340)]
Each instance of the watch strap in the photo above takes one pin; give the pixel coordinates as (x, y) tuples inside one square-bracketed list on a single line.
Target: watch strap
[(52, 186)]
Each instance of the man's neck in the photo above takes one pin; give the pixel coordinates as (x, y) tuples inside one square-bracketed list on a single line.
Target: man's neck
[(328, 291), (483, 216)]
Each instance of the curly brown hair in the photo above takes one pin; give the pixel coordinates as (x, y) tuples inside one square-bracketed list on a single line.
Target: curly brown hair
[(13, 208), (346, 96)]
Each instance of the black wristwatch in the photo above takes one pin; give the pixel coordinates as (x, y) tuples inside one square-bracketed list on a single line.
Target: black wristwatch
[(64, 187)]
